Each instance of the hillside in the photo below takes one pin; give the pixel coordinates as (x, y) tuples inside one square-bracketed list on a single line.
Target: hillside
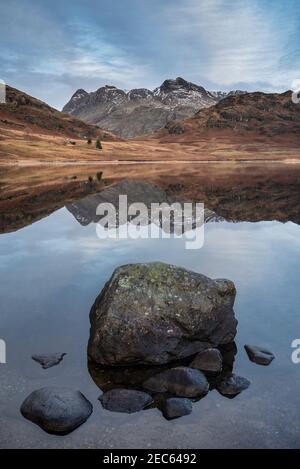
[(272, 117), (25, 113)]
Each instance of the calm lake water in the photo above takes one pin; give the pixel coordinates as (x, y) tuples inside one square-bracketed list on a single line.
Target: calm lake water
[(50, 275)]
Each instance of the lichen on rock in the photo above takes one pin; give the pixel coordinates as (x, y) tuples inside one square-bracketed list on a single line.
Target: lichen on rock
[(155, 313)]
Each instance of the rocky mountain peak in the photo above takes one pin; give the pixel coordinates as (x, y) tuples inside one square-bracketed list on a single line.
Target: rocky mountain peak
[(141, 111), (108, 94), (185, 93), (236, 92), (109, 89), (139, 94), (170, 85), (179, 85), (75, 100), (80, 93)]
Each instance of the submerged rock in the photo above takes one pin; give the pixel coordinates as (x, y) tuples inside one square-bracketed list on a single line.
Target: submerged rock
[(259, 355), (156, 313), (228, 352), (176, 407), (56, 410), (130, 377), (181, 381), (231, 385), (47, 361), (208, 360), (125, 400)]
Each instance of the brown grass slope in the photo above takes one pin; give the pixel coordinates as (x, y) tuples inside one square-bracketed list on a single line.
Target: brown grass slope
[(24, 112), (266, 117)]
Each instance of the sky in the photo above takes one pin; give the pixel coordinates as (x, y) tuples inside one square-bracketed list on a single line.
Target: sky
[(51, 48)]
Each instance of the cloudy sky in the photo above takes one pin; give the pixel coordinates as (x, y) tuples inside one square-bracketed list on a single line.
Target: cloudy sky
[(51, 48)]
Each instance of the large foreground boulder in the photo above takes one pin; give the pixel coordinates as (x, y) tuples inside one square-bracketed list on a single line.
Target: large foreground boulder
[(156, 313)]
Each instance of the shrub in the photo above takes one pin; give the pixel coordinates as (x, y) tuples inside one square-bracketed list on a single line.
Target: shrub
[(89, 141), (99, 175), (98, 144)]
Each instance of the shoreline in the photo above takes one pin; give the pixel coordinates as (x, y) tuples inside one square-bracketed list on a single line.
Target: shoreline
[(144, 162)]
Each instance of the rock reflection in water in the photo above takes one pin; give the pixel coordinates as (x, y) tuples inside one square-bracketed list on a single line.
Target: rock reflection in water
[(136, 379)]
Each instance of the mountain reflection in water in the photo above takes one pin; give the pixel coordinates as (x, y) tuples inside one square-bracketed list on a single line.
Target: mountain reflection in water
[(52, 271), (238, 193)]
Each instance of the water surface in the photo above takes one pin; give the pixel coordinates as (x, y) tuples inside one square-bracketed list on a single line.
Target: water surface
[(50, 275)]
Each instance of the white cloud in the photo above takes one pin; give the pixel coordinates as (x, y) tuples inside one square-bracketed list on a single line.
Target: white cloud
[(49, 50), (93, 56), (49, 61), (231, 41)]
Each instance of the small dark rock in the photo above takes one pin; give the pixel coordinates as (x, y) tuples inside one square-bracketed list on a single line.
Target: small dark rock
[(259, 355), (176, 407), (56, 410), (48, 360), (125, 400), (181, 381), (208, 360), (228, 352), (231, 385)]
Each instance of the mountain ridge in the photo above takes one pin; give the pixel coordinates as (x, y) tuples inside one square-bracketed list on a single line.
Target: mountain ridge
[(141, 111), (272, 118)]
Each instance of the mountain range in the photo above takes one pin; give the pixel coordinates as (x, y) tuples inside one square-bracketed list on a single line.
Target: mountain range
[(141, 111), (269, 117)]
